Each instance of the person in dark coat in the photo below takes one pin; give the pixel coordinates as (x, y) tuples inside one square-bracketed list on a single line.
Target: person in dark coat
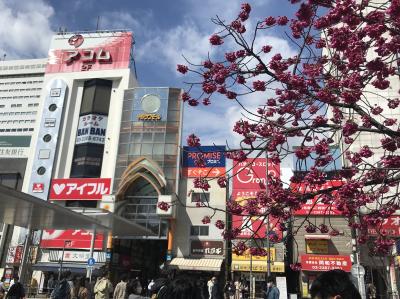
[(16, 291), (272, 292), (215, 293)]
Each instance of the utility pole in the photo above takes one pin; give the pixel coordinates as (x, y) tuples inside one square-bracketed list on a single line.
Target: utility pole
[(267, 230)]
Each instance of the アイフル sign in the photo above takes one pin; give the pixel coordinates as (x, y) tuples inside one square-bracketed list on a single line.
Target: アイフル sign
[(82, 189)]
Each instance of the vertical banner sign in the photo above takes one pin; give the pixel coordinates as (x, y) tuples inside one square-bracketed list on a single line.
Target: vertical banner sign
[(249, 178), (213, 158)]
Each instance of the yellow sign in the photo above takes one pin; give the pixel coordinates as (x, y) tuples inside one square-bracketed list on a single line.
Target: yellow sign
[(149, 116), (317, 246), (257, 266), (246, 256)]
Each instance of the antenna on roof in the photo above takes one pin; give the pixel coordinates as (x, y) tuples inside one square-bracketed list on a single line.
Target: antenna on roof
[(98, 23)]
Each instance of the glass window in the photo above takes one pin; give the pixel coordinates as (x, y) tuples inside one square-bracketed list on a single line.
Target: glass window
[(136, 137), (200, 197), (158, 137), (158, 149), (147, 149), (134, 149), (199, 230), (171, 149), (87, 99), (147, 137)]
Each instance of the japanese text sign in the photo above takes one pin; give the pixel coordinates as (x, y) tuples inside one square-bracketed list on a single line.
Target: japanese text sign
[(390, 227), (71, 239), (317, 246), (314, 206), (310, 262), (213, 158), (246, 256), (207, 248), (82, 189)]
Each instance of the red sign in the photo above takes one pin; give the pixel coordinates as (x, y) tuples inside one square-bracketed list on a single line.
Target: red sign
[(82, 189), (390, 227), (79, 239), (314, 206), (256, 226), (312, 262), (101, 53), (38, 188), (194, 172), (251, 174), (14, 255)]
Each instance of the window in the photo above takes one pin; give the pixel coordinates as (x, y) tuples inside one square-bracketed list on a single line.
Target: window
[(200, 197), (199, 230)]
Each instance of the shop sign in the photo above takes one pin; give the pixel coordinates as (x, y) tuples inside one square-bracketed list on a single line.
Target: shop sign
[(82, 189), (256, 226), (258, 266), (212, 156), (14, 255), (149, 117), (38, 188), (246, 256), (251, 173), (79, 239), (317, 246), (206, 248), (104, 51), (314, 206), (390, 227), (318, 263), (76, 256), (91, 129), (14, 146)]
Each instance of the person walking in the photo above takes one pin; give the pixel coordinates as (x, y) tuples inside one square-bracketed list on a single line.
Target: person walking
[(238, 289), (229, 290), (51, 283), (210, 284), (120, 289), (16, 291), (2, 288), (271, 292), (103, 287), (62, 289), (80, 291), (215, 292), (150, 286)]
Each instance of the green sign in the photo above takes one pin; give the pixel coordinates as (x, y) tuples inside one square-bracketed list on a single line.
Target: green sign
[(15, 141)]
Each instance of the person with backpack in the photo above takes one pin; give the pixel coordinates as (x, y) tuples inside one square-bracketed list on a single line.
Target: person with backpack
[(17, 290), (103, 287), (62, 289)]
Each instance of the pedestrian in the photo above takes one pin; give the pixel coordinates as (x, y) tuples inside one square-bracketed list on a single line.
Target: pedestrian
[(238, 288), (229, 290), (245, 289), (150, 286), (334, 284), (16, 291), (179, 288), (210, 284), (80, 291), (271, 292), (160, 288), (62, 290), (2, 288), (132, 290), (371, 291), (51, 283), (215, 292), (103, 287), (120, 288)]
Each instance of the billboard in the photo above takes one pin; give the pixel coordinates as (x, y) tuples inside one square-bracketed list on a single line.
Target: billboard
[(82, 189), (249, 178), (250, 174), (311, 262), (203, 248), (14, 146), (96, 51), (91, 129), (71, 239), (314, 206), (390, 227), (213, 158)]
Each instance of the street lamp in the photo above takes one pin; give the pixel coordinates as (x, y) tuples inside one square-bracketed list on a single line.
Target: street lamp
[(66, 243)]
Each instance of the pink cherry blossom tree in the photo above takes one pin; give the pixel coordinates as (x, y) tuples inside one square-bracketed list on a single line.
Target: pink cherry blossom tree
[(341, 86)]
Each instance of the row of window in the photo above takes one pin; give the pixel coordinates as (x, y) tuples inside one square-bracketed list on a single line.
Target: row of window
[(20, 105), (18, 113), (23, 121), (22, 67), (20, 97), (199, 230), (21, 82), (17, 130), (20, 89)]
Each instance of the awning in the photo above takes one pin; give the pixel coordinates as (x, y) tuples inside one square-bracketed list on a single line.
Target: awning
[(179, 263), (24, 210), (258, 266), (317, 237), (74, 268)]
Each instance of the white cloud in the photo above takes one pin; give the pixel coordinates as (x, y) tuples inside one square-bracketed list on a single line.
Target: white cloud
[(25, 30)]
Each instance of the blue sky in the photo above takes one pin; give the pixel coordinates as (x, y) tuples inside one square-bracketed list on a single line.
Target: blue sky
[(163, 30)]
